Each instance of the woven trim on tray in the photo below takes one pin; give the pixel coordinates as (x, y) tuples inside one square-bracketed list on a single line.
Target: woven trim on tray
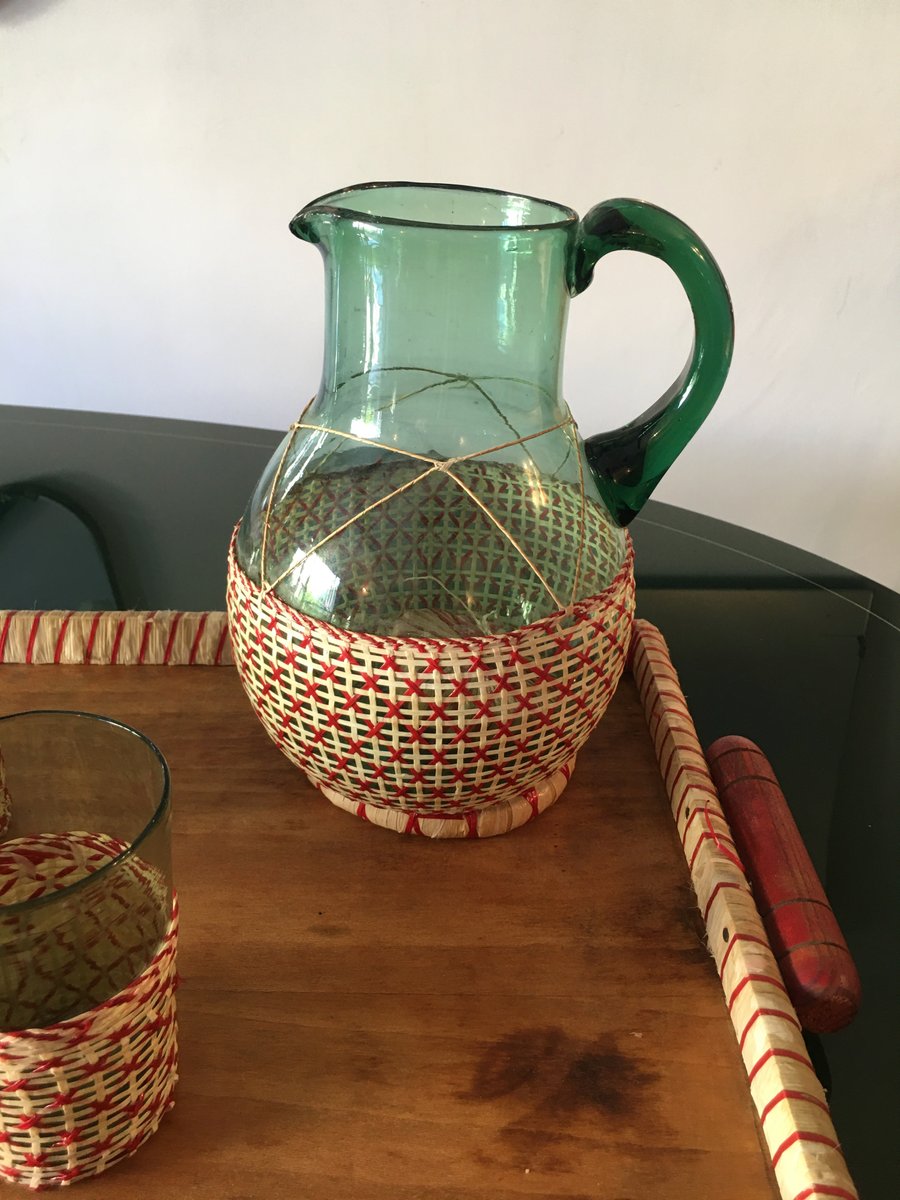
[(789, 1099), (114, 638)]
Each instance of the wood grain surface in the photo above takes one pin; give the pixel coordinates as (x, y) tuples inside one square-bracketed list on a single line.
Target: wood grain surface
[(366, 1016)]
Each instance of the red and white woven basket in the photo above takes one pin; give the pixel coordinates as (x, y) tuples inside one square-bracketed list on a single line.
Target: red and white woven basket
[(447, 737), (80, 1094)]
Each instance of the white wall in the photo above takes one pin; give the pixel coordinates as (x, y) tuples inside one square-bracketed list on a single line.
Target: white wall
[(152, 152)]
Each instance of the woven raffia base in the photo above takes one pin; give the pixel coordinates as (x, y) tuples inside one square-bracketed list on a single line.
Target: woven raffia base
[(81, 1094), (500, 817), (424, 708), (447, 736)]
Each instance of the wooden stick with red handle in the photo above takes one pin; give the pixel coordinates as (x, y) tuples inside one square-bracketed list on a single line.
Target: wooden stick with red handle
[(818, 969)]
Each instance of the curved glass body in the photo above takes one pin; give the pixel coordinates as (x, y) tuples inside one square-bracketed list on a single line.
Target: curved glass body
[(436, 482), (85, 869)]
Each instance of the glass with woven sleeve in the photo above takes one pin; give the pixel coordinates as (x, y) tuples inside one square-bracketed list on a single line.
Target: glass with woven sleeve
[(436, 485), (87, 945)]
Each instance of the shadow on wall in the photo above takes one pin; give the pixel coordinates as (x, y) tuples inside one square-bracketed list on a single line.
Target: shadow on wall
[(17, 12), (165, 494), (52, 553)]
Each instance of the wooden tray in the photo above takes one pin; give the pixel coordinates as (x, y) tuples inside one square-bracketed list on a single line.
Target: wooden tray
[(365, 1015)]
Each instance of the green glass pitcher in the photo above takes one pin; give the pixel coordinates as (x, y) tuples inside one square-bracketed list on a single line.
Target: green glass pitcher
[(431, 592), (436, 483)]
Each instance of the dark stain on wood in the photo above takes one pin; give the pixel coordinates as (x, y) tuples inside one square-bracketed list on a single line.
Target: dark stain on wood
[(562, 1088), (518, 1060), (602, 1079)]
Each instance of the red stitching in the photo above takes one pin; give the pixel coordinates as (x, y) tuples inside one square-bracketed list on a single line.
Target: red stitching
[(766, 1012), (4, 633), (756, 979), (706, 837), (742, 937), (89, 648), (221, 646), (689, 788), (35, 625), (196, 643), (120, 628), (790, 1094), (725, 883), (826, 1189), (776, 1052), (732, 857), (803, 1135), (176, 621), (57, 653), (148, 626)]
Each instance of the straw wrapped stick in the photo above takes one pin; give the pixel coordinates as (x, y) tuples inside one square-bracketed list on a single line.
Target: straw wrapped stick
[(789, 1099)]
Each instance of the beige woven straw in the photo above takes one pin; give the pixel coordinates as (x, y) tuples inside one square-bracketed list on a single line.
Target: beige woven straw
[(793, 1112), (81, 1093), (441, 735), (114, 638)]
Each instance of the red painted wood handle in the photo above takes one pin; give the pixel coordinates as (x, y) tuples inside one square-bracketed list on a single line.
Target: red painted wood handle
[(818, 969)]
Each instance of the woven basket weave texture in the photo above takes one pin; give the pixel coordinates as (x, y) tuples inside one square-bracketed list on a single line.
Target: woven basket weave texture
[(429, 724), (437, 725), (432, 550), (80, 1094)]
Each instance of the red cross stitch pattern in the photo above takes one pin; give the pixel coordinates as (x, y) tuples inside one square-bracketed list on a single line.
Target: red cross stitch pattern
[(429, 726), (78, 1095), (436, 538)]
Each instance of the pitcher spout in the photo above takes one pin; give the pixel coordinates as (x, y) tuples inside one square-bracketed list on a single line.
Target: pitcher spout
[(312, 223)]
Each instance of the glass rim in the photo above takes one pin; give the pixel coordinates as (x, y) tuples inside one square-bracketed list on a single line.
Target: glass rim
[(159, 812), (329, 203)]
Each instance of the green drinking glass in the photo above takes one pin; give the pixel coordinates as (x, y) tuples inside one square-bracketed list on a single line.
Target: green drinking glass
[(85, 865)]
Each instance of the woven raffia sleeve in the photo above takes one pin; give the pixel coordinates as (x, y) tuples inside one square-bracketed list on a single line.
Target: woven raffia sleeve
[(79, 1094), (788, 1097)]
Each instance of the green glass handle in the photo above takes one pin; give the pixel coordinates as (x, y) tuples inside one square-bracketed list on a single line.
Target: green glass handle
[(629, 462)]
